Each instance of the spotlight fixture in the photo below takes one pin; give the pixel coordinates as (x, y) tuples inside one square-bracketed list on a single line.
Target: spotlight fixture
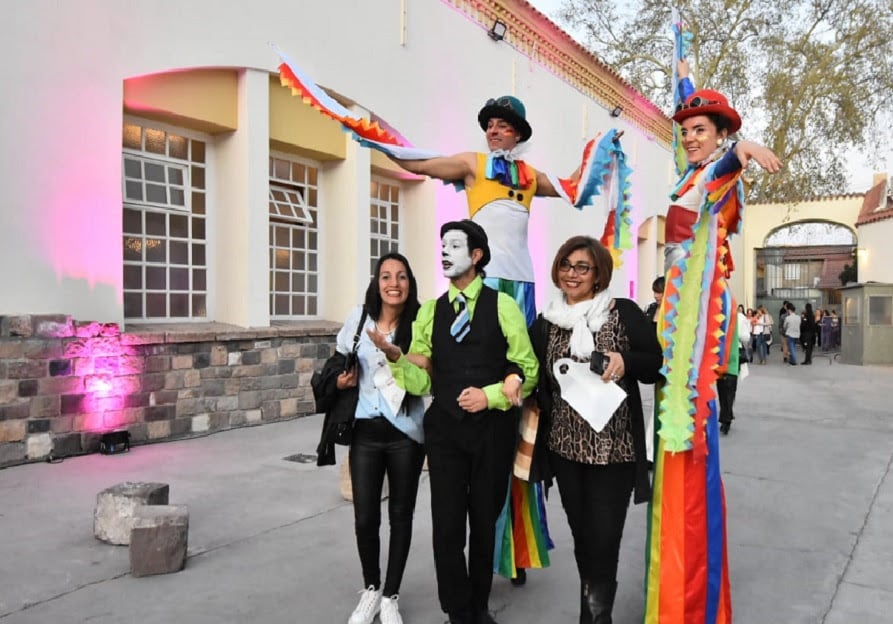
[(617, 110), (497, 30), (114, 442)]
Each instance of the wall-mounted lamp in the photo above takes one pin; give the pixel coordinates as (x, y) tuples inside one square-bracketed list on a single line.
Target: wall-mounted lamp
[(497, 30), (616, 111)]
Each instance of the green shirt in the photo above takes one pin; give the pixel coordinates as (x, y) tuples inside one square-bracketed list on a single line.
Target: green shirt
[(416, 380)]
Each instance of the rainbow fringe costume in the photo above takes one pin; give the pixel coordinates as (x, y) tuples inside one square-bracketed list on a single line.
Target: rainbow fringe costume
[(687, 579)]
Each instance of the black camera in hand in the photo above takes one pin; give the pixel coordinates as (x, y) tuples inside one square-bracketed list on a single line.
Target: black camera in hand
[(598, 361)]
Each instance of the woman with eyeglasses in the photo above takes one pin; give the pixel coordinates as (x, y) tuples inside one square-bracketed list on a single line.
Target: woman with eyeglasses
[(596, 470), (688, 573), (707, 121)]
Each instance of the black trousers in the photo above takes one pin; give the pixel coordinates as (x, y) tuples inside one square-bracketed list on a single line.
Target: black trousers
[(808, 346), (469, 465), (726, 389), (378, 448), (595, 499)]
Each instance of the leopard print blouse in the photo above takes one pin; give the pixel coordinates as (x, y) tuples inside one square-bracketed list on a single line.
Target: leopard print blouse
[(570, 436)]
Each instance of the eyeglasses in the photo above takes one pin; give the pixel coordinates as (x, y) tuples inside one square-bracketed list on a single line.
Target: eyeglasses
[(581, 268), (503, 102), (696, 102)]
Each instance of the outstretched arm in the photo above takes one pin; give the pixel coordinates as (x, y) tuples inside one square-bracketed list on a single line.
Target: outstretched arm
[(683, 73), (459, 167), (545, 188), (764, 157)]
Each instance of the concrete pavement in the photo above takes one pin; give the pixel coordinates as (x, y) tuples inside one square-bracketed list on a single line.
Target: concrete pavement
[(806, 470)]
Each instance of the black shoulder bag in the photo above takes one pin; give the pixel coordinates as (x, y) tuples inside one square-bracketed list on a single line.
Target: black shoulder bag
[(339, 406)]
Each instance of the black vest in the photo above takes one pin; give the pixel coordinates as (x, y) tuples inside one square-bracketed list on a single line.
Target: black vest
[(479, 360)]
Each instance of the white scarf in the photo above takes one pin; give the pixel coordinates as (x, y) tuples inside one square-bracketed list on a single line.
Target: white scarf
[(584, 318), (513, 154)]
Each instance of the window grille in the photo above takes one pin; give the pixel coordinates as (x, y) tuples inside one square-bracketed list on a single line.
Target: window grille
[(384, 220), (164, 229), (294, 238)]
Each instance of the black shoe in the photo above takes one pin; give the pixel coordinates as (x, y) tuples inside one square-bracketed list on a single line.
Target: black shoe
[(724, 428), (597, 602), (484, 617), (793, 363), (520, 577)]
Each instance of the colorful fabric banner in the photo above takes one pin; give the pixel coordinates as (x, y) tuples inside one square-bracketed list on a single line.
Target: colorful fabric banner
[(603, 169)]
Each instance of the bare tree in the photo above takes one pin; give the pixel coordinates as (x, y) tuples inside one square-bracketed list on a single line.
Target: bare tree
[(813, 79)]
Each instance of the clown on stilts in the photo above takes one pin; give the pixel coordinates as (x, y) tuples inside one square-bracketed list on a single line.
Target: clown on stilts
[(499, 188), (687, 578)]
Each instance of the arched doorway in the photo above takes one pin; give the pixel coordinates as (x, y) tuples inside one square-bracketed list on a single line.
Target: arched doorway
[(802, 262)]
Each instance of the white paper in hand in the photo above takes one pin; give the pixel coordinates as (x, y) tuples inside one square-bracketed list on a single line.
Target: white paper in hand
[(383, 379), (594, 399)]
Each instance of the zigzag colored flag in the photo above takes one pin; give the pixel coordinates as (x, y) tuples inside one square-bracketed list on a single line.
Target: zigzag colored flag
[(604, 167), (682, 38), (599, 163)]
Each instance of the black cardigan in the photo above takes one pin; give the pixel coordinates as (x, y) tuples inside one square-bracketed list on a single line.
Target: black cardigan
[(641, 364)]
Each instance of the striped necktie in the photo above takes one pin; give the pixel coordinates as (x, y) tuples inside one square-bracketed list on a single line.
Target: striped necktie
[(462, 325)]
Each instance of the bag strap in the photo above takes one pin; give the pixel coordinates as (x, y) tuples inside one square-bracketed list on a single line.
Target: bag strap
[(356, 336)]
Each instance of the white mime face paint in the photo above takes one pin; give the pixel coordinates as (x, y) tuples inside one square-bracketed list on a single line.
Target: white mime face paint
[(456, 257)]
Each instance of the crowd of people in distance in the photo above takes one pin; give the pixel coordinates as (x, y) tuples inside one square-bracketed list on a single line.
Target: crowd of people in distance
[(804, 330)]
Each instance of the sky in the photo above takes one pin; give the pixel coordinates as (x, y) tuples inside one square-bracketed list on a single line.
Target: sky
[(862, 167)]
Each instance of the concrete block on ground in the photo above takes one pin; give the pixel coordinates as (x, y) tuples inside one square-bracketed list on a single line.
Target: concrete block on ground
[(115, 506), (159, 539)]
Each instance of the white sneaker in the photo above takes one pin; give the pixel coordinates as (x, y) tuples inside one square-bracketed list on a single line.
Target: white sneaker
[(370, 603), (389, 612)]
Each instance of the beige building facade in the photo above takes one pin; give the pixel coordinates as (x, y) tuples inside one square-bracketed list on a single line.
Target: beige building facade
[(180, 238)]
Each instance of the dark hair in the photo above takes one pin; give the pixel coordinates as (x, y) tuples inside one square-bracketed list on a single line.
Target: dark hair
[(603, 263), (477, 239), (659, 284), (721, 122), (808, 310), (403, 335)]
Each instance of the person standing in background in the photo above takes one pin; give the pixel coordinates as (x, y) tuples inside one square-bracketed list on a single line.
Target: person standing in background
[(657, 289), (792, 332), (744, 333), (759, 340), (727, 382), (808, 332), (784, 343), (768, 324)]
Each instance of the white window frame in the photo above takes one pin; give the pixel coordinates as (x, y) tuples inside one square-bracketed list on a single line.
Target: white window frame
[(387, 206), (299, 216), (146, 206)]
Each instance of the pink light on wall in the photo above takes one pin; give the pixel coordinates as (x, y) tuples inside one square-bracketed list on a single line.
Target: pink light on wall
[(81, 235), (110, 373)]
